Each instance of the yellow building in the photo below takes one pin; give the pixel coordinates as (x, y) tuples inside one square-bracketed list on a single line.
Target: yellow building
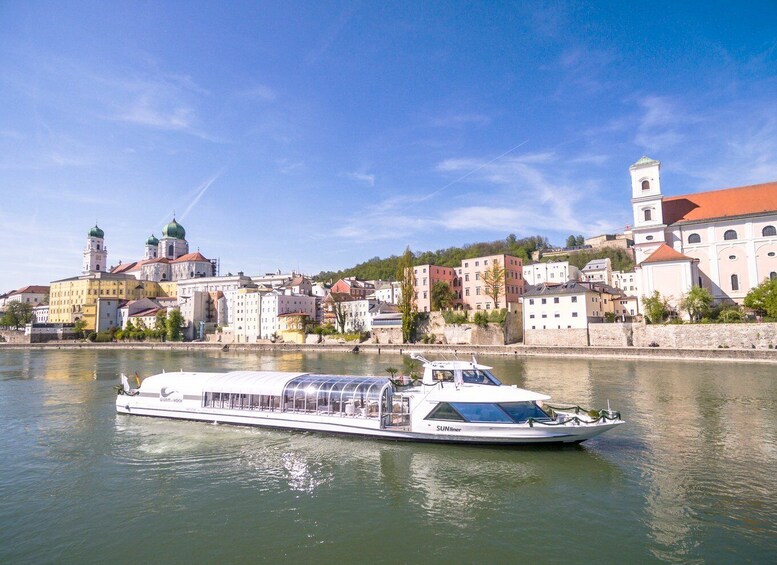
[(76, 298), (292, 327)]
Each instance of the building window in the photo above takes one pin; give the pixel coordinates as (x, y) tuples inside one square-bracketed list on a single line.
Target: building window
[(544, 300), (734, 282), (768, 231), (574, 314), (574, 299), (732, 257), (544, 315), (531, 315), (466, 277), (477, 290), (555, 300), (531, 301), (730, 234), (694, 238), (772, 275), (649, 238), (648, 215), (645, 185)]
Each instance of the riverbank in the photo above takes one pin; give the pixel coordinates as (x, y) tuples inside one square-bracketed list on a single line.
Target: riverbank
[(514, 350)]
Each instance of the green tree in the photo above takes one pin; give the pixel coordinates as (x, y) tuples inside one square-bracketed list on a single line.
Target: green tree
[(407, 304), (697, 302), (338, 299), (442, 296), (763, 298), (160, 324), (78, 327), (174, 325), (656, 308), (571, 241), (17, 314), (494, 281)]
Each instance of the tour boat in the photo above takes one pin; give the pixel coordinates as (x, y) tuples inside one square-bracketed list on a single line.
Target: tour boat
[(453, 402)]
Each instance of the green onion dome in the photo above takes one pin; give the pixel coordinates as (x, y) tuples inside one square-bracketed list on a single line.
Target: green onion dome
[(96, 232), (152, 240), (174, 229)]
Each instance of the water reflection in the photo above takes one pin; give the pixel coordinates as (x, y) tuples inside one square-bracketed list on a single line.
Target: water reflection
[(689, 478)]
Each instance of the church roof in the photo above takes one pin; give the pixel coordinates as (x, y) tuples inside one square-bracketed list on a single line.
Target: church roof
[(196, 256), (645, 160), (174, 229), (726, 203), (664, 254), (96, 232)]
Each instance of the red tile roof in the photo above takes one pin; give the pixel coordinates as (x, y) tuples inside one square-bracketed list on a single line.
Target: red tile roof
[(196, 256), (729, 202), (123, 268), (35, 289), (664, 253)]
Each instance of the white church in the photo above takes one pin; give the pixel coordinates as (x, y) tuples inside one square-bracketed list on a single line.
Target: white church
[(165, 259), (722, 240)]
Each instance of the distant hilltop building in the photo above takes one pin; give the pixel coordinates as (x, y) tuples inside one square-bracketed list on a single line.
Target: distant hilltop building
[(722, 240)]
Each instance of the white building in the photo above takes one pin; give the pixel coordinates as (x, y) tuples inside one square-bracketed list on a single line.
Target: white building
[(722, 240), (598, 270), (274, 303), (552, 272), (246, 318), (388, 292), (567, 305), (40, 314), (33, 294), (209, 300), (627, 281)]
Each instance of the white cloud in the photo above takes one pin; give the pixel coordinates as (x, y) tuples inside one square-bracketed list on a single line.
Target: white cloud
[(362, 177)]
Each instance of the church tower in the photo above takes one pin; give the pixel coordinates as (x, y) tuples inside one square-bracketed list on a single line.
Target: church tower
[(152, 248), (95, 254), (647, 206), (173, 243)]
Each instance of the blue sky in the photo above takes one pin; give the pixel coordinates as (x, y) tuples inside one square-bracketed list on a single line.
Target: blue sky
[(315, 135)]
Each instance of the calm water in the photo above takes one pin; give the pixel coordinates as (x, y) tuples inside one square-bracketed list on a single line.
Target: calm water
[(691, 478)]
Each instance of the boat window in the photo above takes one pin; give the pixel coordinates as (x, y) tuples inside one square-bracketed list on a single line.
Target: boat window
[(479, 377), (482, 412), (444, 411), (520, 412), (445, 376)]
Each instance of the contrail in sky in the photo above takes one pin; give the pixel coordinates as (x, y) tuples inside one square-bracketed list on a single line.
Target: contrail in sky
[(201, 190), (475, 170)]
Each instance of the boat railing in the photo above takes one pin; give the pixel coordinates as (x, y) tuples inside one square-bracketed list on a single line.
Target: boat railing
[(565, 415)]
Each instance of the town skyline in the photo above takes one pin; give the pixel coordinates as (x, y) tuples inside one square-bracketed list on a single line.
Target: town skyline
[(314, 137)]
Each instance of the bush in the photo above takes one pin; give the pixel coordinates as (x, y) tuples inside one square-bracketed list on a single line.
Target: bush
[(481, 319), (454, 317), (730, 316), (497, 316)]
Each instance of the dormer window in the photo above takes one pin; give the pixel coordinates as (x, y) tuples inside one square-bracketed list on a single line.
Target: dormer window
[(769, 231), (730, 234), (645, 185), (694, 238)]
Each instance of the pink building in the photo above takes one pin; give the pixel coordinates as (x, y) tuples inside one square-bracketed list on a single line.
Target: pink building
[(425, 277), (468, 285), (474, 293)]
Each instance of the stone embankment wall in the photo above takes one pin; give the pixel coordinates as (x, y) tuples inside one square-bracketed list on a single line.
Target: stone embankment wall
[(676, 336), (14, 336), (737, 336), (557, 337)]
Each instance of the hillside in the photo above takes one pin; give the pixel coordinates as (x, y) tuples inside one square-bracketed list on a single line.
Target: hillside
[(386, 269)]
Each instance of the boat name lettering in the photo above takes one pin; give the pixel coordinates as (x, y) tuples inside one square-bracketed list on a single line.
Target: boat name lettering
[(447, 429)]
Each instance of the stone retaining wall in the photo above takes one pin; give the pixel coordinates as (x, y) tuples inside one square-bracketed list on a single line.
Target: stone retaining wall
[(739, 336), (557, 337), (611, 335)]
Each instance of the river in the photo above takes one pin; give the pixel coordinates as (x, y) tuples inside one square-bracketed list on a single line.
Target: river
[(691, 477)]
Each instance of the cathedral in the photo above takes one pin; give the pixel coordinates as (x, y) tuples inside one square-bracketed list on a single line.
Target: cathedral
[(164, 259)]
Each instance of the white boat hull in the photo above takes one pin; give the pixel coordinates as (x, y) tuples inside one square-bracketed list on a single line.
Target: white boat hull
[(473, 434)]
